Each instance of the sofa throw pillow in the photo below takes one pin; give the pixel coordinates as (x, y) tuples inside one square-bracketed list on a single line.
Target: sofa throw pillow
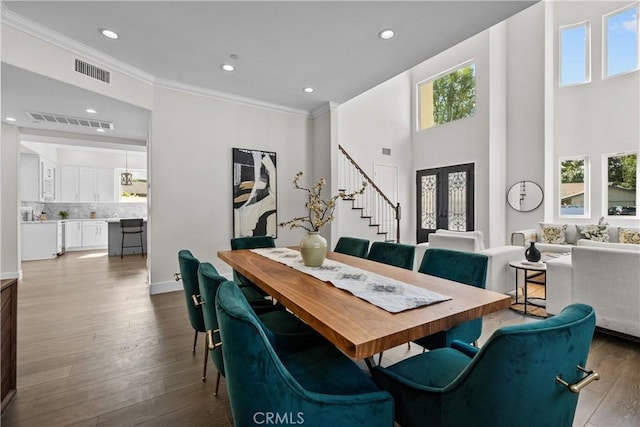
[(554, 233), (595, 232), (627, 235)]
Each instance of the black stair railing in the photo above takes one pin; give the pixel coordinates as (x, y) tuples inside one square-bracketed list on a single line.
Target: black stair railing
[(374, 205)]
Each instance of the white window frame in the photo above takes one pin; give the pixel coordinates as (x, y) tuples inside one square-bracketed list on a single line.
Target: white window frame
[(587, 186), (605, 183), (587, 53), (136, 173), (605, 41)]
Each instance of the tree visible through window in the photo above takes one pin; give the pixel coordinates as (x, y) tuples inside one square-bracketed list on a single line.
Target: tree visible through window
[(448, 98), (574, 198), (622, 174)]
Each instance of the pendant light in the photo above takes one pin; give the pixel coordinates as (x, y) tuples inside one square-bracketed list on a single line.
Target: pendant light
[(125, 177)]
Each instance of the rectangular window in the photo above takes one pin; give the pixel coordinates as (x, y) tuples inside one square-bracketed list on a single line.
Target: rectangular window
[(135, 193), (574, 187), (622, 175), (621, 41), (574, 54), (447, 98)]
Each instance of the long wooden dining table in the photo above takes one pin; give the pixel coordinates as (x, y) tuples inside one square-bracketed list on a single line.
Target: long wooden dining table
[(357, 327)]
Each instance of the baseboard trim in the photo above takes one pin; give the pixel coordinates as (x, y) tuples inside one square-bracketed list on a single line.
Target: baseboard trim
[(164, 287)]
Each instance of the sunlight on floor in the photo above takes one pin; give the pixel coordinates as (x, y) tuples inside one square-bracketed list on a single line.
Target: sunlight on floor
[(94, 255)]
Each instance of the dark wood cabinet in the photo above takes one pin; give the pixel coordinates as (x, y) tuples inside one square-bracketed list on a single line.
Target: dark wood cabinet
[(9, 327)]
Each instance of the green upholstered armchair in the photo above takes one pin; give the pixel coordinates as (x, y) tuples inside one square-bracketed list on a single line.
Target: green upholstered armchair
[(515, 379), (352, 246), (319, 386), (250, 242), (468, 268), (189, 275), (395, 254), (290, 332)]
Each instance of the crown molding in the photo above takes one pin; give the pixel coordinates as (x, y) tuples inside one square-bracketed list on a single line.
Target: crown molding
[(323, 109), (41, 32), (228, 97), (20, 23)]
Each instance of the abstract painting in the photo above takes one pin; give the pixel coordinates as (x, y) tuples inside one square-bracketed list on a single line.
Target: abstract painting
[(254, 193)]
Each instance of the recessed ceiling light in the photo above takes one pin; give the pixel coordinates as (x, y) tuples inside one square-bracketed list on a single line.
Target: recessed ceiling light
[(90, 111), (386, 34), (10, 119), (308, 89), (109, 34), (228, 67), (99, 130)]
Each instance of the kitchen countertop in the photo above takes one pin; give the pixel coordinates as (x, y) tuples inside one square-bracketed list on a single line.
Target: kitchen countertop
[(49, 221)]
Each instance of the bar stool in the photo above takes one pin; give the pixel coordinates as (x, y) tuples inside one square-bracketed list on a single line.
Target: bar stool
[(128, 227)]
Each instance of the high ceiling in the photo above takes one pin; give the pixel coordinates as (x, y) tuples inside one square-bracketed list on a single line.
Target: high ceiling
[(277, 48)]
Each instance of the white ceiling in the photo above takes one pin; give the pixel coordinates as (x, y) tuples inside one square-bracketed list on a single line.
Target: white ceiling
[(281, 47)]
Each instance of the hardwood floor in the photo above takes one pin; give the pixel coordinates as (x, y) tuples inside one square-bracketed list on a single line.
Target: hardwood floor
[(95, 349)]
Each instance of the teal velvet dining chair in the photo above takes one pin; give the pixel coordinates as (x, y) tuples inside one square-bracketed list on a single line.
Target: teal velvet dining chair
[(468, 268), (250, 242), (319, 386), (396, 254), (352, 246), (525, 375), (189, 275), (291, 333)]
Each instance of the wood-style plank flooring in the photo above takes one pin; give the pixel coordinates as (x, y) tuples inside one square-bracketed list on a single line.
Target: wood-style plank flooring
[(95, 349)]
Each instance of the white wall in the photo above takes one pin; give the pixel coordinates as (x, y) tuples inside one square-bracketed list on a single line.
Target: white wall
[(592, 119), (525, 112), (191, 177), (461, 141), (10, 247), (381, 118)]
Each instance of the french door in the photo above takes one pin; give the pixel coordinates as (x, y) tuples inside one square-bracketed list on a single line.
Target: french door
[(444, 200)]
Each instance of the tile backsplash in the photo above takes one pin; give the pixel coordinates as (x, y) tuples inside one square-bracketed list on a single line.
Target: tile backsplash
[(83, 210)]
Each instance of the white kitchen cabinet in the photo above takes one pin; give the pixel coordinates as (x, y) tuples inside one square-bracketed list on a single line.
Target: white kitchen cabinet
[(39, 240), (37, 178), (29, 177), (95, 185), (94, 234), (72, 235), (68, 184)]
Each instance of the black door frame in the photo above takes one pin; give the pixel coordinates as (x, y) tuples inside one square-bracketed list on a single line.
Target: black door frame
[(442, 198)]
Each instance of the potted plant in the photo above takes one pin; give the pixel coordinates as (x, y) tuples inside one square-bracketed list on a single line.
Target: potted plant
[(63, 214)]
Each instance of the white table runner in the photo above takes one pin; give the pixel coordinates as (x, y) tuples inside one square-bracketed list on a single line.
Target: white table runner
[(389, 294)]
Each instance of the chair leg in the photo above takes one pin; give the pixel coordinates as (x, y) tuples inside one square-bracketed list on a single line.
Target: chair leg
[(215, 393), (141, 245), (380, 359), (195, 340), (122, 247), (206, 359)]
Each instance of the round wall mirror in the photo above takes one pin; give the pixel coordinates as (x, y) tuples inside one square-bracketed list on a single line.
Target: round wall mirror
[(525, 196)]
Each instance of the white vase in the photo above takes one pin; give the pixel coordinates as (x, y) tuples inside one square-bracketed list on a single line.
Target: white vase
[(313, 248)]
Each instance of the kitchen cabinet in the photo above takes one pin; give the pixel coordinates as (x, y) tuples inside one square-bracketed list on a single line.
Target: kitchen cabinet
[(73, 234), (37, 178), (94, 234), (68, 184), (39, 240), (80, 184)]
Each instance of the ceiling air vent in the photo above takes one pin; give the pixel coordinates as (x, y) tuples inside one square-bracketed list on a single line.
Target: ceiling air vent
[(67, 120), (386, 151), (93, 71)]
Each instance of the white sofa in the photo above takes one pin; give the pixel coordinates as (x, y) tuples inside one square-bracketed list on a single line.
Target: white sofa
[(572, 236), (500, 277), (605, 276)]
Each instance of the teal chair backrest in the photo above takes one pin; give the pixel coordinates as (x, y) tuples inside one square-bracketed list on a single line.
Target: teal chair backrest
[(259, 382), (396, 254), (469, 268), (511, 380), (189, 272), (250, 242), (209, 281), (352, 246)]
